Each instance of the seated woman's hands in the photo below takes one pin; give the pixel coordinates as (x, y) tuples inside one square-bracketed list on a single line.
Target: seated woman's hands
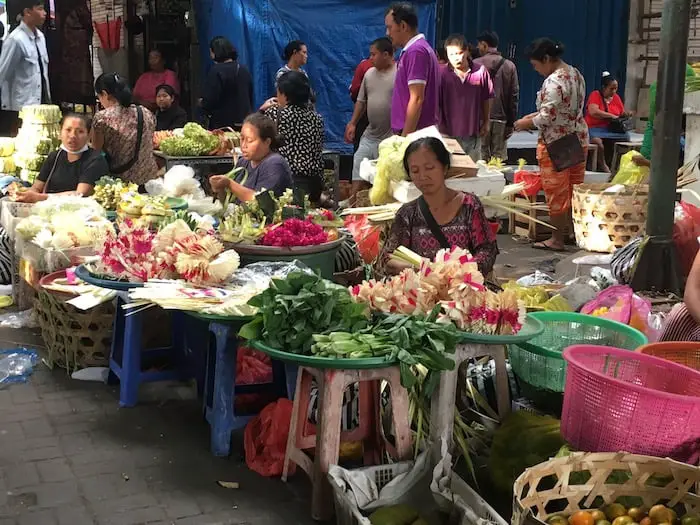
[(219, 183), (27, 196)]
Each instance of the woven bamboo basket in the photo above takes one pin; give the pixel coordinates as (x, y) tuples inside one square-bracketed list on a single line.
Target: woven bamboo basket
[(74, 338), (641, 481), (605, 220)]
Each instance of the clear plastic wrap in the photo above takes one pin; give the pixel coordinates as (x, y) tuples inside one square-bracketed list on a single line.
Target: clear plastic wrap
[(25, 319), (16, 365), (259, 274)]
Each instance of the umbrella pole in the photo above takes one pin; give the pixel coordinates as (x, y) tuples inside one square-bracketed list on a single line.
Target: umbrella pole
[(657, 266)]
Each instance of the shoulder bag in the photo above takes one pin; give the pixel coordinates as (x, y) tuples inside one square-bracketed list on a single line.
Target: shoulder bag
[(619, 124), (434, 227), (566, 151), (139, 135)]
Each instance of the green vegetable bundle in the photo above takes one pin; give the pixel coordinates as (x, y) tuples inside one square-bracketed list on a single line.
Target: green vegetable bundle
[(292, 310), (196, 141)]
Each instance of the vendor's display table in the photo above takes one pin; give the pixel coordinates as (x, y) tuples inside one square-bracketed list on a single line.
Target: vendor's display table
[(194, 162), (475, 345), (220, 387), (128, 361), (333, 377)]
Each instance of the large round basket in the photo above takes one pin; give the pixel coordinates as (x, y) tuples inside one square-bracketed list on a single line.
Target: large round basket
[(607, 218), (686, 353), (319, 258), (619, 400), (74, 338), (591, 480)]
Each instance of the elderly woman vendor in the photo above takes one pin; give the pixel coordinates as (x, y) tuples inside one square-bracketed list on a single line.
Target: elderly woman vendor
[(442, 217), (73, 169)]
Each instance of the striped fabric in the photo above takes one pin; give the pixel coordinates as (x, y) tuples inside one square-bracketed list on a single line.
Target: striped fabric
[(624, 260), (5, 257), (348, 257), (680, 326), (351, 409)]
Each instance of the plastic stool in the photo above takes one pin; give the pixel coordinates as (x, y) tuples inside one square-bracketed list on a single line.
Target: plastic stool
[(326, 441), (442, 409), (126, 356), (220, 387)]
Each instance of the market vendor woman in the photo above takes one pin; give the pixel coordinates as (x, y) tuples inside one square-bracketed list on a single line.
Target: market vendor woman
[(74, 168), (442, 217), (264, 167)]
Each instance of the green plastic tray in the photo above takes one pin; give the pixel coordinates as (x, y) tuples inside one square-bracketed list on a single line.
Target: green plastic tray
[(218, 318), (539, 362), (531, 329), (323, 362)]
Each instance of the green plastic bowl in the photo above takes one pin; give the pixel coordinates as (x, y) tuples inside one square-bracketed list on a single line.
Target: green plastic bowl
[(539, 363)]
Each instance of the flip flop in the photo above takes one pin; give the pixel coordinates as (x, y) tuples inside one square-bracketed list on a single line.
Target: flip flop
[(542, 246)]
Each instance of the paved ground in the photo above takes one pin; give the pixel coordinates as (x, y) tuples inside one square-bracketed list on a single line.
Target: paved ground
[(70, 456)]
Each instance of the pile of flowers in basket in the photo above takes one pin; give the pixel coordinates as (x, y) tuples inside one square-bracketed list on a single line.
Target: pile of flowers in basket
[(454, 282)]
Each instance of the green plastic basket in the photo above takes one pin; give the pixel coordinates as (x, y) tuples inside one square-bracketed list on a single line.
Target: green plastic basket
[(539, 365)]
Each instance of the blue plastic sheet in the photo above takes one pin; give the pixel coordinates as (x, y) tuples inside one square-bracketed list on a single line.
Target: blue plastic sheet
[(337, 33)]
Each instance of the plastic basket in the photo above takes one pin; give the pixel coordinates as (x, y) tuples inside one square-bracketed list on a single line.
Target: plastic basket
[(11, 213), (686, 353), (539, 365), (347, 512), (618, 400)]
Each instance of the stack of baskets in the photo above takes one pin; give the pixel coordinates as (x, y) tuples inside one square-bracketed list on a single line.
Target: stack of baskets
[(607, 217), (539, 365)]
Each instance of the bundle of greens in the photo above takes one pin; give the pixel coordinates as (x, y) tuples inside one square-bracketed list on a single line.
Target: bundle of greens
[(195, 141), (292, 310)]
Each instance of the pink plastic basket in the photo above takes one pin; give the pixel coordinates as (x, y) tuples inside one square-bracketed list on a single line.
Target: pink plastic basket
[(617, 400)]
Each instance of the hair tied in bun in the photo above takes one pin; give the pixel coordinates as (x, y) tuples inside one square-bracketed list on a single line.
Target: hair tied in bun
[(606, 74)]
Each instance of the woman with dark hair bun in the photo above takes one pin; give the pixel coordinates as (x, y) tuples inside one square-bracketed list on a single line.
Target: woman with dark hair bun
[(559, 119), (301, 130), (604, 106), (123, 131), (296, 54), (227, 94), (441, 217), (265, 169)]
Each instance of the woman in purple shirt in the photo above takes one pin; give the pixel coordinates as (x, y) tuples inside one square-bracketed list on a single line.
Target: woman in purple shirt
[(466, 92)]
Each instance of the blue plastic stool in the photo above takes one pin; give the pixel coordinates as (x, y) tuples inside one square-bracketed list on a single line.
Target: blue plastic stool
[(220, 387), (127, 356)]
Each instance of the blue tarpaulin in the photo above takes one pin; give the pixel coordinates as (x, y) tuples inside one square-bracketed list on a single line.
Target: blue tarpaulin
[(337, 33)]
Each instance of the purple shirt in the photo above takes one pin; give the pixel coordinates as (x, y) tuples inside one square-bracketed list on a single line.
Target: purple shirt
[(418, 65), (461, 102)]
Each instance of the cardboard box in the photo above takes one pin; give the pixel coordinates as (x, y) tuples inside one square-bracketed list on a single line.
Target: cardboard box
[(462, 164)]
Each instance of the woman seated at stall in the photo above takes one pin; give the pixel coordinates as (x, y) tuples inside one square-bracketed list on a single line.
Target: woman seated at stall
[(604, 106), (73, 169), (683, 322), (169, 115), (442, 217), (124, 131), (264, 167), (301, 131)]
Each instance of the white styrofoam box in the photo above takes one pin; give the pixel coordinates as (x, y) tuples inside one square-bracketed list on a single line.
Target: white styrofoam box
[(595, 177), (405, 191)]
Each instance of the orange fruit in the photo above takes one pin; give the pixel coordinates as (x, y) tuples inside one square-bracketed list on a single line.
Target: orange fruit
[(581, 518)]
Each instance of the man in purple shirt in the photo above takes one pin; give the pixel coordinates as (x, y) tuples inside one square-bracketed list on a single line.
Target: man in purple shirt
[(414, 104), (466, 92)]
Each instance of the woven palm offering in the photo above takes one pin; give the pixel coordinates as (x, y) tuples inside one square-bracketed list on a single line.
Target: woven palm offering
[(614, 484), (607, 217)]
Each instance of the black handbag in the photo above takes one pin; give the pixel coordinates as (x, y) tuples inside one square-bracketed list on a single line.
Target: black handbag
[(566, 152), (619, 124)]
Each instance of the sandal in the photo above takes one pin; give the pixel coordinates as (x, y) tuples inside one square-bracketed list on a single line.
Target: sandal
[(544, 247)]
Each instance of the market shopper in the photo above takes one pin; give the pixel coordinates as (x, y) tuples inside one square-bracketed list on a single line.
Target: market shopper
[(603, 107), (169, 115), (123, 131), (265, 169), (360, 72), (301, 131), (466, 93), (374, 100), (157, 75), (24, 66), (563, 134), (296, 54), (441, 218), (683, 322), (227, 94), (73, 169), (414, 103), (504, 107)]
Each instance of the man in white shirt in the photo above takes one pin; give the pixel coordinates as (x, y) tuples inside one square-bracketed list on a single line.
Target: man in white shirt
[(24, 65), (374, 97)]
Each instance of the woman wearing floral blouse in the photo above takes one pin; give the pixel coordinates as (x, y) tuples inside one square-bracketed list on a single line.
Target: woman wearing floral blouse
[(560, 112)]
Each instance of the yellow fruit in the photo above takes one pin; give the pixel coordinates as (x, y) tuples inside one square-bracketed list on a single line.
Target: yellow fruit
[(598, 515), (602, 522), (557, 520), (690, 520), (636, 514), (661, 514), (581, 518), (614, 510), (622, 520)]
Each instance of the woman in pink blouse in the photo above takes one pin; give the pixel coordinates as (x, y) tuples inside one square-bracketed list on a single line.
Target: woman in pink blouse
[(145, 88), (560, 109)]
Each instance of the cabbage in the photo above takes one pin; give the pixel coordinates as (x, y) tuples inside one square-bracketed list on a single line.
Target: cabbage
[(389, 169), (30, 226)]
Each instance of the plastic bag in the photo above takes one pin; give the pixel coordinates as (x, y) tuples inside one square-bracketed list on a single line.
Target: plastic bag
[(366, 236), (25, 319), (16, 365), (620, 303), (686, 230), (532, 180), (265, 439), (252, 367), (629, 173)]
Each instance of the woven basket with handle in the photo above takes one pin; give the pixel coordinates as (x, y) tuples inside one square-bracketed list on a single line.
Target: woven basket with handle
[(607, 217), (583, 481)]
